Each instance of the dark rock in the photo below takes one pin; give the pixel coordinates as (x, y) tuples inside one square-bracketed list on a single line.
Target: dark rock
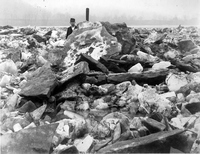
[(128, 61), (80, 68), (48, 35), (41, 83), (93, 64), (143, 131), (33, 140), (123, 35), (40, 39), (156, 116), (95, 78), (186, 45), (150, 77), (153, 125), (193, 107), (183, 141), (183, 66), (91, 80), (143, 36), (113, 66), (65, 141), (27, 107), (144, 144), (71, 149)]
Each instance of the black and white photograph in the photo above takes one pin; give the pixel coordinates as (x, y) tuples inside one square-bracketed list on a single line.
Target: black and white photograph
[(99, 76)]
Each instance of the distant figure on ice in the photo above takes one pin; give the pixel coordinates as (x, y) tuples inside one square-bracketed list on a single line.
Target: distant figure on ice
[(72, 27)]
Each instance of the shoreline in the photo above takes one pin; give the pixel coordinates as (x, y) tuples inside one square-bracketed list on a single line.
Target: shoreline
[(130, 26)]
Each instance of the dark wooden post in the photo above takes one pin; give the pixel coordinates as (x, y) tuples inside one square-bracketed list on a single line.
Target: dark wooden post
[(87, 14)]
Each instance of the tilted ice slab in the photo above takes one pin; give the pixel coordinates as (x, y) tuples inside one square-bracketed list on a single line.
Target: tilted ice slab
[(92, 39)]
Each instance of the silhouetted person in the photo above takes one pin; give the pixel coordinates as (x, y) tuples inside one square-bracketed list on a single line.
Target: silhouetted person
[(72, 27)]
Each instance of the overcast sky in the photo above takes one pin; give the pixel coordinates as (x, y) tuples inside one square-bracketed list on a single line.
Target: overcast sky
[(144, 8), (58, 12)]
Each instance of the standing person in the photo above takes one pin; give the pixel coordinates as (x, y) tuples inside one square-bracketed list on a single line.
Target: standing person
[(72, 27)]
